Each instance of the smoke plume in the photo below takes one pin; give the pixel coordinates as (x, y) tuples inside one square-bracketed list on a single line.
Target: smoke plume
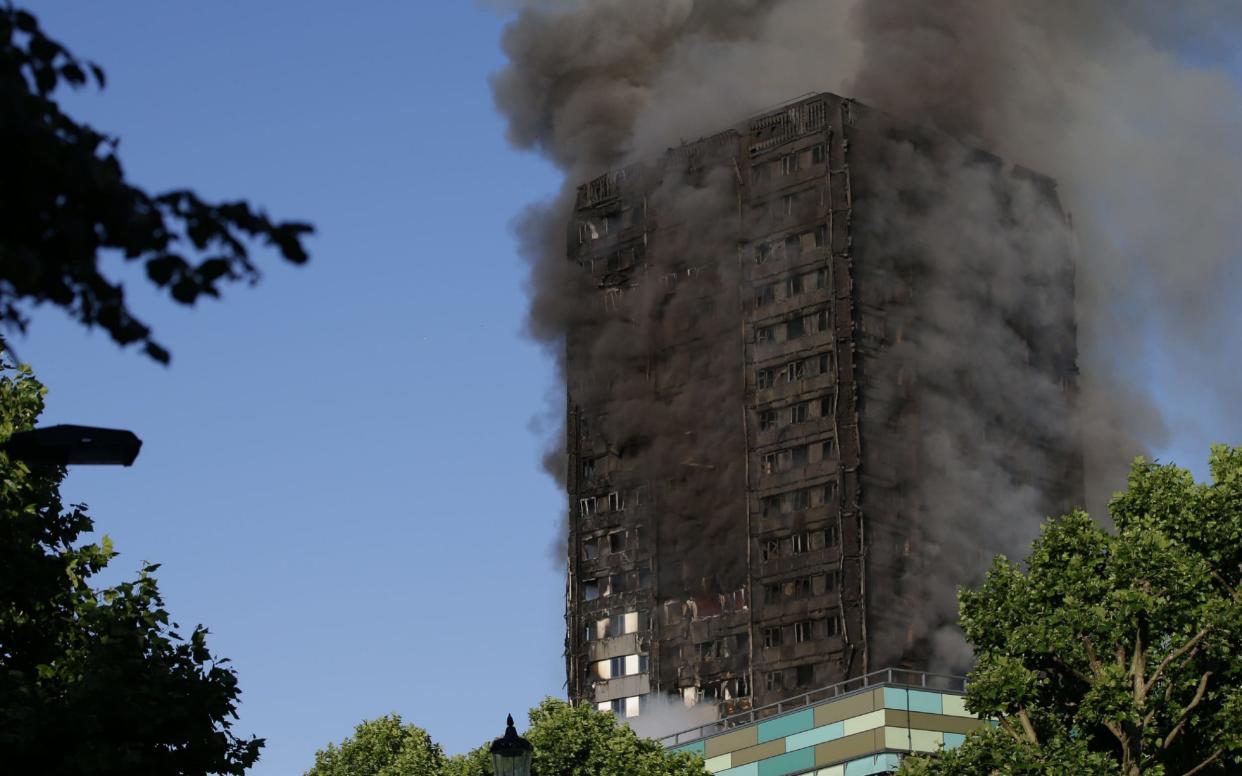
[(1127, 104)]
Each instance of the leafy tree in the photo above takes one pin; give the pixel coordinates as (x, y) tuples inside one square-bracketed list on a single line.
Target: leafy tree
[(568, 741), (65, 203), (1114, 651), (94, 682), (381, 747)]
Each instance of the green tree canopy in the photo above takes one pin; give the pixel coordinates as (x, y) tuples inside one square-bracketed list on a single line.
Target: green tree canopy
[(568, 740), (1114, 651), (381, 747), (65, 204), (94, 682)]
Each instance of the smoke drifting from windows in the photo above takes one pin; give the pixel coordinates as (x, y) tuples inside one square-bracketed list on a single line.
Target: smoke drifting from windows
[(1126, 103)]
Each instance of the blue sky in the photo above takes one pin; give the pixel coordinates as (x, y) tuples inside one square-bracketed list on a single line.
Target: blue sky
[(338, 475)]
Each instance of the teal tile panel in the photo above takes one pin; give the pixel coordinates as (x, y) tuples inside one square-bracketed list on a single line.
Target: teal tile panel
[(698, 747), (786, 725), (925, 702), (913, 700), (790, 762), (869, 766), (815, 736), (953, 740), (749, 769), (895, 698)]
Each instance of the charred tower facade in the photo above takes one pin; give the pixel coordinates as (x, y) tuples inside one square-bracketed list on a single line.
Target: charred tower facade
[(780, 430)]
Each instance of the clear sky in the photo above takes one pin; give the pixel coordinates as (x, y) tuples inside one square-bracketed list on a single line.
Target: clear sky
[(339, 474)]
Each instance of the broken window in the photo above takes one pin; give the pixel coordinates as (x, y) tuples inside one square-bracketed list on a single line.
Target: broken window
[(771, 637), (818, 153), (767, 420), (773, 681), (616, 501), (830, 536), (800, 543), (821, 321), (617, 542), (586, 506), (771, 463), (828, 406), (793, 286), (771, 549), (588, 469), (830, 493), (804, 675), (787, 204), (793, 247), (765, 295), (765, 378), (801, 498), (803, 632), (825, 363), (795, 371), (789, 164), (590, 548), (763, 252), (833, 625), (821, 278), (798, 456), (741, 645), (795, 328), (803, 587), (770, 506), (765, 334), (708, 649), (800, 413), (827, 449), (590, 589), (821, 236)]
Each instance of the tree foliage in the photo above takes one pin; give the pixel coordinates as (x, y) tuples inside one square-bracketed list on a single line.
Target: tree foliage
[(94, 682), (65, 204), (1115, 651), (568, 741), (381, 747)]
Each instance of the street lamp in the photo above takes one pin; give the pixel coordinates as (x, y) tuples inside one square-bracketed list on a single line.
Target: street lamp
[(511, 753), (70, 445)]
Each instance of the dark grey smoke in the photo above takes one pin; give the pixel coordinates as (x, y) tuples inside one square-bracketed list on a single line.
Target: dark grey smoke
[(1127, 103)]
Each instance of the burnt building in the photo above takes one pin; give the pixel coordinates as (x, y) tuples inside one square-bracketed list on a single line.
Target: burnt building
[(822, 368)]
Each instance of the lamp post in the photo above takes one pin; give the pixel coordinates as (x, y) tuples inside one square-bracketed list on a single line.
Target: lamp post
[(72, 445), (511, 753)]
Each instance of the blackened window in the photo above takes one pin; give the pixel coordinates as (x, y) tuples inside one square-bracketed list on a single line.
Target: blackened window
[(800, 412)]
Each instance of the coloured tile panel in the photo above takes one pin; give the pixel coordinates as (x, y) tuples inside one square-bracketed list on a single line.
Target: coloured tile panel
[(696, 748), (730, 742), (866, 722), (868, 766), (760, 752), (750, 769), (953, 740), (785, 764), (786, 725), (815, 736), (851, 706), (955, 706), (721, 763), (850, 747), (909, 740)]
